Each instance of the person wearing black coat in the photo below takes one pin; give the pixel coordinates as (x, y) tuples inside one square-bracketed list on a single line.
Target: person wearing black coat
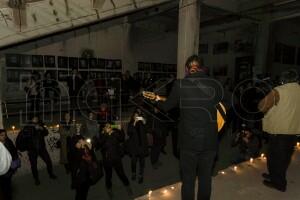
[(5, 180), (110, 142), (196, 95), (81, 154), (137, 144), (33, 138)]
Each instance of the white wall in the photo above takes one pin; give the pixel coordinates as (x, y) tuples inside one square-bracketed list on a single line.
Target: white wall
[(107, 42)]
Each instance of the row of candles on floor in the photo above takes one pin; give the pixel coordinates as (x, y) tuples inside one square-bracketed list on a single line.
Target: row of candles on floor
[(235, 168)]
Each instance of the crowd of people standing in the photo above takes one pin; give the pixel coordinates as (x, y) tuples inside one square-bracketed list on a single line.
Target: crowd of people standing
[(95, 146)]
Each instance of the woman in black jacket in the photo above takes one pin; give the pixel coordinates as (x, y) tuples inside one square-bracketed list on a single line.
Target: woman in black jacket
[(137, 144), (109, 141), (82, 155)]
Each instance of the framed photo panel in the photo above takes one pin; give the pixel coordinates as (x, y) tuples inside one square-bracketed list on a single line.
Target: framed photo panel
[(50, 61), (26, 61), (37, 61), (62, 62), (83, 63), (101, 63), (13, 60), (73, 63)]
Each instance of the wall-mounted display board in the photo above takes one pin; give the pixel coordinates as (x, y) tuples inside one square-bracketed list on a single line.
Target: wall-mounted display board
[(62, 62), (13, 60), (50, 61), (26, 61), (83, 63), (60, 66), (73, 62), (37, 61), (157, 70)]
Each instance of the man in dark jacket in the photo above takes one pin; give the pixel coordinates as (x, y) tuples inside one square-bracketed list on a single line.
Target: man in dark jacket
[(33, 137), (109, 141), (197, 96)]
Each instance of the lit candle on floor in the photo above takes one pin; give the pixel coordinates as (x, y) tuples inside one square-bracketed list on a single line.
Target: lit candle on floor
[(235, 168), (251, 160)]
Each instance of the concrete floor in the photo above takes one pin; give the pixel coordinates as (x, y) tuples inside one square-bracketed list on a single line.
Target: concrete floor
[(243, 183), (24, 188)]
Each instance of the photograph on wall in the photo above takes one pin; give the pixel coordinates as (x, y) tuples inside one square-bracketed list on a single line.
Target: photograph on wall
[(13, 60), (83, 63), (141, 66), (203, 49), (26, 61), (100, 63), (221, 48), (62, 62), (73, 62), (50, 61), (109, 64), (13, 76), (147, 66), (37, 61), (243, 68), (63, 75), (93, 63), (243, 46), (117, 64)]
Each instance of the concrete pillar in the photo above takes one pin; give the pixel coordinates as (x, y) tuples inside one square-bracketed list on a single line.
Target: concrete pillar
[(188, 33), (128, 59), (3, 82), (262, 48)]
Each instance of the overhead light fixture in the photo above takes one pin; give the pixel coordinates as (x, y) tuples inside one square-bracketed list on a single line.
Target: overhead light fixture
[(283, 2)]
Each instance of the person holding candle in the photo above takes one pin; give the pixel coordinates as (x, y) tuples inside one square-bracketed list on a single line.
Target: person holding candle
[(109, 141), (137, 144)]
